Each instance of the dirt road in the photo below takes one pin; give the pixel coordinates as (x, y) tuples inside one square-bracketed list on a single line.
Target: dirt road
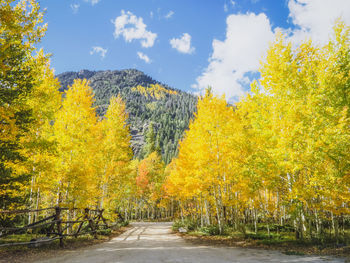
[(153, 242)]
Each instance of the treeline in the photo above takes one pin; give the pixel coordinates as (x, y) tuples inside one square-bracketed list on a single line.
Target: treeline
[(280, 158)]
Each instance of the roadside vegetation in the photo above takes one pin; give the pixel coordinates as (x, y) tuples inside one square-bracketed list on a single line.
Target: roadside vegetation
[(282, 239)]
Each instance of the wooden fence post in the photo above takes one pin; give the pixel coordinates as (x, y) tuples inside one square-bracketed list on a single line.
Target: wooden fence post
[(59, 224), (91, 222), (103, 219)]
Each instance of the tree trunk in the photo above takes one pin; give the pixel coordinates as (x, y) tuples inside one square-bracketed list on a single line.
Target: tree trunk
[(218, 211), (206, 207), (255, 222)]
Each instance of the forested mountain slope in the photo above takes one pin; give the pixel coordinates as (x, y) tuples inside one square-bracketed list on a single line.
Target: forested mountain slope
[(169, 110)]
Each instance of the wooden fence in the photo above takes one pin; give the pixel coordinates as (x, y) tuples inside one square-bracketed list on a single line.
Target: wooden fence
[(55, 223)]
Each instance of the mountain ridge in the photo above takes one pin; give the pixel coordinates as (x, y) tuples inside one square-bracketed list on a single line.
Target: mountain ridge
[(169, 114)]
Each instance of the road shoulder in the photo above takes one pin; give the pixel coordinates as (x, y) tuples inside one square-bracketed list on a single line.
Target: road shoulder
[(288, 249)]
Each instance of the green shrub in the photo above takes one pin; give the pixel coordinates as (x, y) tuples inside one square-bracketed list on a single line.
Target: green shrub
[(188, 224), (211, 230), (177, 224), (104, 232), (124, 223)]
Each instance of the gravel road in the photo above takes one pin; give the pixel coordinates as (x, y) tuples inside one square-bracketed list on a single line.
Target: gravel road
[(154, 242)]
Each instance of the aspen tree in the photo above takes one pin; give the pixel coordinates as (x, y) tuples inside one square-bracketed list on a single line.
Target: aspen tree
[(21, 29), (74, 132)]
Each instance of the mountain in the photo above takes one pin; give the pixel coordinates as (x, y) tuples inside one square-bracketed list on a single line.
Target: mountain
[(168, 110)]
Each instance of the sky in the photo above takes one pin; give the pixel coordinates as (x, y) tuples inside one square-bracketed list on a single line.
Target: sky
[(186, 44)]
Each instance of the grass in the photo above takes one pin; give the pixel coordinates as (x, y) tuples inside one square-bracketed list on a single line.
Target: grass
[(18, 238)]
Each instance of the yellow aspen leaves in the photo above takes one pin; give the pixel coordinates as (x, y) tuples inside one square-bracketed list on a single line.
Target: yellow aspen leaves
[(154, 91), (281, 154)]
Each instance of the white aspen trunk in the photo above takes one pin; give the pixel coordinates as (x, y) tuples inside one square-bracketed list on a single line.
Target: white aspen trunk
[(317, 222), (221, 205), (201, 209), (31, 198), (335, 227), (206, 207), (265, 212), (302, 227), (255, 222), (182, 215), (278, 214), (37, 204), (126, 214), (104, 192), (172, 208), (218, 212)]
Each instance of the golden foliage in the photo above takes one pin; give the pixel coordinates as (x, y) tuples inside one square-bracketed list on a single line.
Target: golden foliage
[(154, 91)]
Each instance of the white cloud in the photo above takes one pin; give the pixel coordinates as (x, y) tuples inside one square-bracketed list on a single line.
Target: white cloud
[(151, 14), (225, 7), (248, 35), (315, 18), (98, 50), (183, 44), (132, 27), (144, 57), (93, 2), (169, 14), (247, 38), (75, 8)]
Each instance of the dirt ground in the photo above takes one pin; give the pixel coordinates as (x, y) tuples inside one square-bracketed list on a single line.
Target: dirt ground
[(25, 254), (155, 242), (289, 248)]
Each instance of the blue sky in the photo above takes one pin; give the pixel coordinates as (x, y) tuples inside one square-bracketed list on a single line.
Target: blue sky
[(187, 44)]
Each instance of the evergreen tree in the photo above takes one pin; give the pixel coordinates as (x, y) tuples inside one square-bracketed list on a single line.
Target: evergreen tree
[(150, 142)]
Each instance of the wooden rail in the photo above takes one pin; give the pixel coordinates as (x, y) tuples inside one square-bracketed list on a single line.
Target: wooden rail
[(55, 225)]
